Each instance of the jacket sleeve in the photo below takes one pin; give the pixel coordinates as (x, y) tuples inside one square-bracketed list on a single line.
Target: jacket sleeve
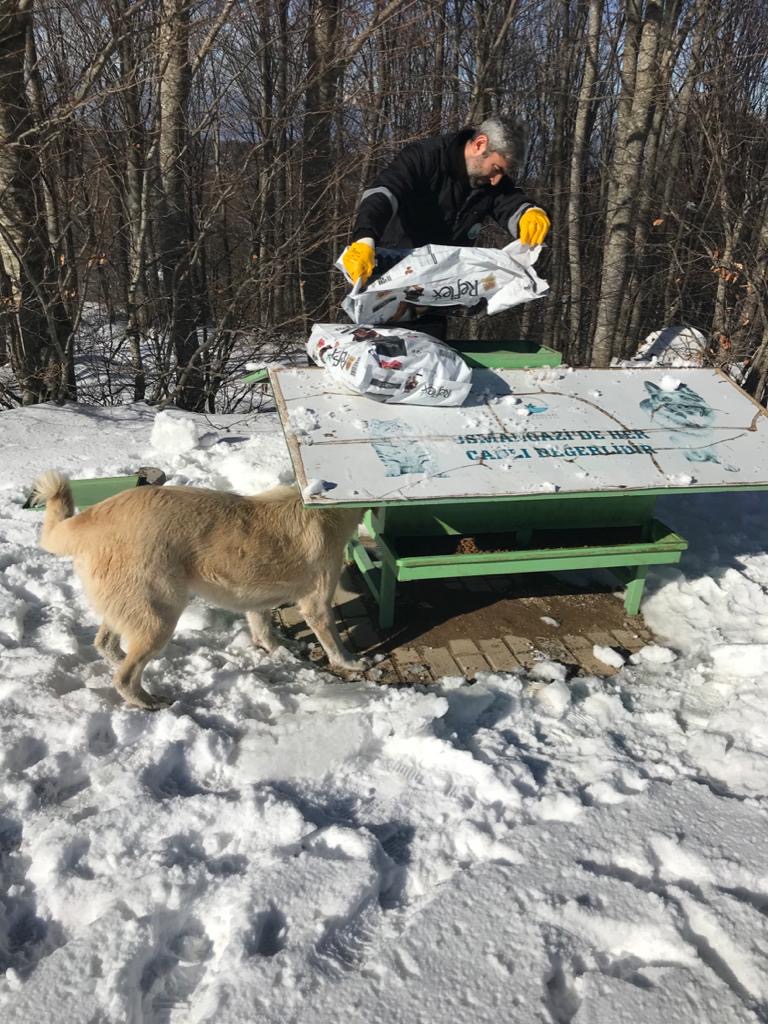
[(509, 205), (381, 200)]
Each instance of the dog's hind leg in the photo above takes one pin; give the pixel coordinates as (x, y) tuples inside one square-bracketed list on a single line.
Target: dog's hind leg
[(141, 645), (262, 631), (107, 644), (318, 614)]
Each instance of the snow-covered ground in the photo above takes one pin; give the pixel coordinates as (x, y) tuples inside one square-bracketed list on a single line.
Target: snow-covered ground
[(282, 846)]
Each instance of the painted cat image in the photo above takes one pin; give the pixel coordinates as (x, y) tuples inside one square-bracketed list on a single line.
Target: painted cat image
[(689, 420)]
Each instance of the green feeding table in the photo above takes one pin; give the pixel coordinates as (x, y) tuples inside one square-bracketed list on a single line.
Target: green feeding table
[(507, 355), (91, 491), (543, 469)]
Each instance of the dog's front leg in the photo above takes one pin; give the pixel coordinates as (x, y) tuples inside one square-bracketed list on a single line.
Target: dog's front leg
[(319, 617)]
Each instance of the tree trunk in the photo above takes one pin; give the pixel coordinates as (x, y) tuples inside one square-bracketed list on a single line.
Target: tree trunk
[(173, 226), (317, 164), (40, 329), (576, 248), (632, 133)]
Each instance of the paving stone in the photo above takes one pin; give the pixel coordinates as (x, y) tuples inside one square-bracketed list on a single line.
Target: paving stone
[(414, 674), (350, 585), (407, 656), (553, 649), (290, 616), (602, 637), (410, 665), (522, 648), (471, 664), (296, 628), (383, 672), (440, 662), (645, 634), (629, 641), (463, 647), (362, 635), (581, 647), (499, 656), (350, 607)]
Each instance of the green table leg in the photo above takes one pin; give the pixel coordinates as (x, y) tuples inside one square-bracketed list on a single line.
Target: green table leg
[(634, 592), (387, 585)]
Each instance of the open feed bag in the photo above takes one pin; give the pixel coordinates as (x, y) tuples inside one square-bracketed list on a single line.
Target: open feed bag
[(444, 276), (391, 364)]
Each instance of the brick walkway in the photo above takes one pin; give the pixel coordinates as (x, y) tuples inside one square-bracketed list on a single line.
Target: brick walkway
[(460, 628)]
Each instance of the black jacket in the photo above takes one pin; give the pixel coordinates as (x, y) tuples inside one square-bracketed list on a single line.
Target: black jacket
[(424, 196)]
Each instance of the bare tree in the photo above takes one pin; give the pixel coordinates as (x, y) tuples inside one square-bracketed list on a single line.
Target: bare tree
[(39, 326)]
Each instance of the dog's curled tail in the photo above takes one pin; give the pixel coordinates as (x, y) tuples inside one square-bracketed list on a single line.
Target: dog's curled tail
[(53, 489)]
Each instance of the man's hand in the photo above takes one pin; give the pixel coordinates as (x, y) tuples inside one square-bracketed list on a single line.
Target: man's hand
[(359, 260), (533, 226)]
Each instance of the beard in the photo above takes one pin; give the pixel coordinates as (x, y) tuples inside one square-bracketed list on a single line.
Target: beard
[(479, 180), (474, 171)]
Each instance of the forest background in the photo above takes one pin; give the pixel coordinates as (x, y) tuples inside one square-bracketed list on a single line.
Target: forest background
[(186, 173)]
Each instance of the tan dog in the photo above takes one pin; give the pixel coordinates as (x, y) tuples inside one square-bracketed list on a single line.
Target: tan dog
[(143, 553)]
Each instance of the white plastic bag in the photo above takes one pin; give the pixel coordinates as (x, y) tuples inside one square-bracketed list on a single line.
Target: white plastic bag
[(447, 275), (391, 364)]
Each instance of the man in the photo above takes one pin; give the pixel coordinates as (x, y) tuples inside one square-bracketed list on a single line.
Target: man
[(441, 189)]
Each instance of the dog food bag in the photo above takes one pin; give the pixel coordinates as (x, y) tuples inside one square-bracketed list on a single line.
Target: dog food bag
[(391, 364), (444, 276)]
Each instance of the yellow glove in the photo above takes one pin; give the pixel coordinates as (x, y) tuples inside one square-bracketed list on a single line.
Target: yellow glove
[(359, 260), (533, 226)]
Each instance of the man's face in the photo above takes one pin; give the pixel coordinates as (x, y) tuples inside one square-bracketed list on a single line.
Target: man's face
[(484, 166)]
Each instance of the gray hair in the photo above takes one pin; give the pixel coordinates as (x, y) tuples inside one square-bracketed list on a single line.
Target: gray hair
[(507, 135)]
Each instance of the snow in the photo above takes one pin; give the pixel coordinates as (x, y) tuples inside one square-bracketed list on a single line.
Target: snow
[(174, 433), (608, 655), (741, 659), (283, 846), (312, 487), (676, 345), (653, 653)]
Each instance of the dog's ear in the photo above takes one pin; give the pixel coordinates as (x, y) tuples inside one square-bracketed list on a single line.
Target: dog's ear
[(651, 388)]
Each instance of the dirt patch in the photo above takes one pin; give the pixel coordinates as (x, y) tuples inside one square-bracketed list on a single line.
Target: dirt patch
[(437, 612)]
